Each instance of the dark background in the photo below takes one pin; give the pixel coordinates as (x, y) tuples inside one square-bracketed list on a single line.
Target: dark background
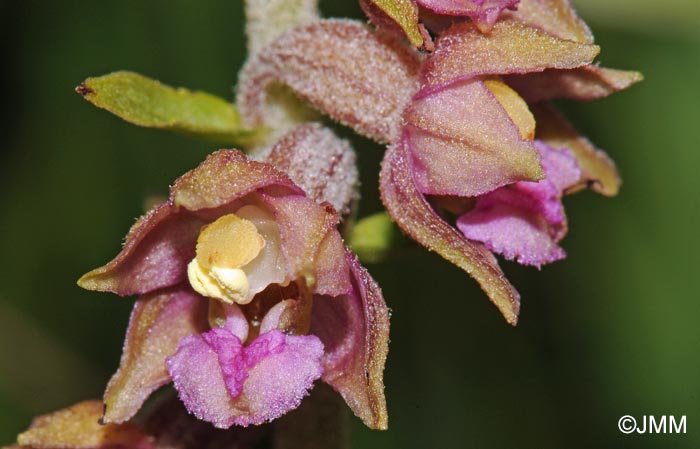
[(610, 331)]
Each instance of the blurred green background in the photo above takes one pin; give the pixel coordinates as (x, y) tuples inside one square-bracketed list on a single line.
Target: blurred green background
[(610, 331)]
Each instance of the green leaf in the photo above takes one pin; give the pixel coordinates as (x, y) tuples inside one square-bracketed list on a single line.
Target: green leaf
[(373, 237), (146, 102)]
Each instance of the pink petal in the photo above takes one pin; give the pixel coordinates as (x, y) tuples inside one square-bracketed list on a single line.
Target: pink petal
[(525, 221), (319, 162), (158, 322), (355, 332), (464, 143), (409, 209), (463, 52), (371, 77), (155, 254), (282, 369), (332, 275), (512, 232), (224, 383), (200, 383), (586, 83), (311, 242), (224, 177), (483, 13)]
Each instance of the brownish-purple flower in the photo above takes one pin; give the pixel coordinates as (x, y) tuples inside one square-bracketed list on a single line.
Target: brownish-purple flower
[(478, 161), (247, 297)]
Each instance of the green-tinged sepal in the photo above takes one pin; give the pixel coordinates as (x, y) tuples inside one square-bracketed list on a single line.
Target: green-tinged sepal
[(147, 102), (373, 237)]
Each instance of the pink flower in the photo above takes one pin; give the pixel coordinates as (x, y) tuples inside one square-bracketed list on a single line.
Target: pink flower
[(247, 296), (471, 135)]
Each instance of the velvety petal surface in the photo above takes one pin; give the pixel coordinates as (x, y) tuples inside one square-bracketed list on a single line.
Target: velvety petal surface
[(483, 13), (413, 214), (355, 332), (222, 382), (282, 369), (513, 232), (155, 253), (200, 383), (319, 162), (586, 83), (78, 427), (512, 47), (332, 274), (224, 177), (598, 171), (524, 221), (371, 77), (463, 142), (309, 230), (158, 322)]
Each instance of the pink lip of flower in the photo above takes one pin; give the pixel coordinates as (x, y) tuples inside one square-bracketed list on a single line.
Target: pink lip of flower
[(525, 220), (458, 129), (333, 326)]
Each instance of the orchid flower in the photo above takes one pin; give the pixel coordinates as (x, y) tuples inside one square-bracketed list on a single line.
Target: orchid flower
[(247, 294), (469, 129)]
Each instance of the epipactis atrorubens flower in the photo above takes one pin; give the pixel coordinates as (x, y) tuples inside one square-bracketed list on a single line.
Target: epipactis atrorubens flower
[(247, 297), (478, 160)]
